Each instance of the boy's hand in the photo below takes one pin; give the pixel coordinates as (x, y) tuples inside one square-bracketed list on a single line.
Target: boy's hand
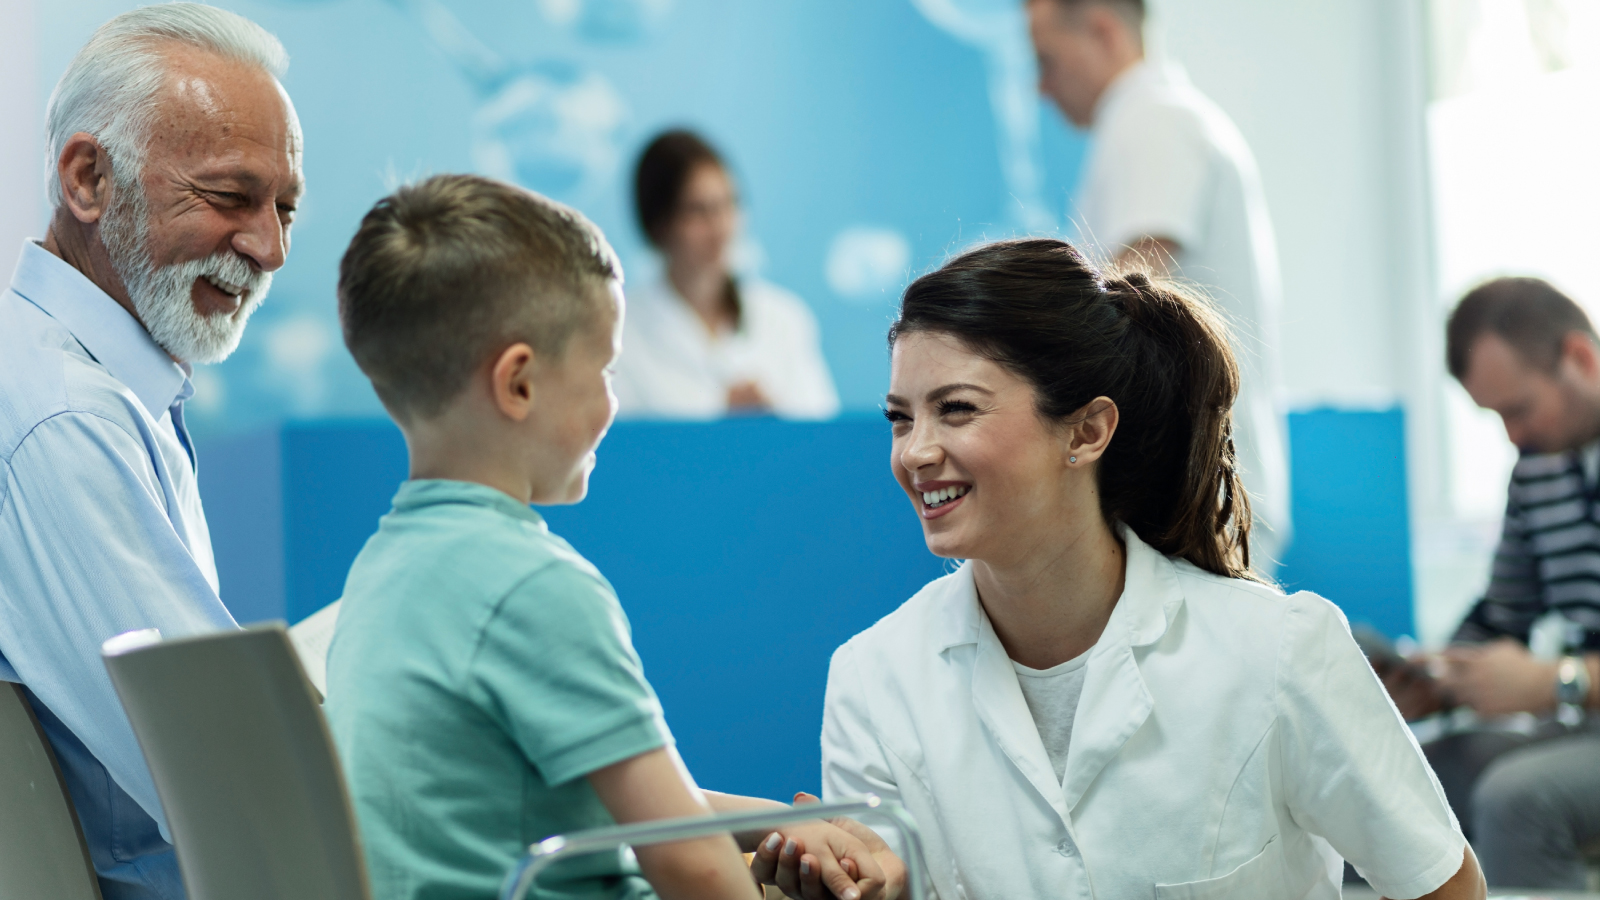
[(840, 859), (894, 870)]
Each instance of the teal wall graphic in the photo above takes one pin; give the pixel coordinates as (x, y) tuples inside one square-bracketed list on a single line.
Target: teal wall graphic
[(870, 137)]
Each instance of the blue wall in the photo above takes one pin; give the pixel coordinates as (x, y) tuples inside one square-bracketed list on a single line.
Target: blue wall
[(746, 551)]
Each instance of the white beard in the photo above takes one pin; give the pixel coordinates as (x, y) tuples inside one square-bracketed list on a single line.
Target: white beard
[(163, 297)]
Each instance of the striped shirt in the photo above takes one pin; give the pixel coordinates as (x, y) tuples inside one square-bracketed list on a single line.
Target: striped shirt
[(1549, 553)]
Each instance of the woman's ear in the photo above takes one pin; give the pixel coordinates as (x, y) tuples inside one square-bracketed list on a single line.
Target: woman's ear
[(1091, 433), (511, 381)]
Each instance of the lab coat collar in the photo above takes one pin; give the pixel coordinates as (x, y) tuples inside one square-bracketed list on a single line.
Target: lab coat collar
[(1115, 700), (1150, 598)]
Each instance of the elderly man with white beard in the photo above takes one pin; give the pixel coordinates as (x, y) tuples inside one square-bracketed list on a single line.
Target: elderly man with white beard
[(175, 170)]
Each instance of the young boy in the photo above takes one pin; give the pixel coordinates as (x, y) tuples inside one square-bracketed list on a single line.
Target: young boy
[(482, 685)]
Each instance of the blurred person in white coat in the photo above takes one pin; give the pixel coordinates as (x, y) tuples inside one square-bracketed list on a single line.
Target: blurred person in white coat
[(1170, 180), (701, 342)]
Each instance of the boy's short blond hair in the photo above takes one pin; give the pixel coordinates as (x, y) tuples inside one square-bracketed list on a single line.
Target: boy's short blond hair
[(445, 273)]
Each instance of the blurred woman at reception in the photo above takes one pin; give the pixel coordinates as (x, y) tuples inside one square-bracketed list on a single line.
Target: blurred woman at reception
[(1103, 700), (699, 341)]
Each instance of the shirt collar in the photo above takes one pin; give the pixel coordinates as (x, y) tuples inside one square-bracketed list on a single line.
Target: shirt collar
[(1150, 599), (424, 492), (1142, 75), (106, 330)]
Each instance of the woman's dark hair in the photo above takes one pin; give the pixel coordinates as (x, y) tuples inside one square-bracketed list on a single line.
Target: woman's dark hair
[(658, 183), (1041, 310), (663, 172)]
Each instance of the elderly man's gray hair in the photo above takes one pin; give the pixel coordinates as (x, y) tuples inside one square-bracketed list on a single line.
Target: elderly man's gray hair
[(111, 87)]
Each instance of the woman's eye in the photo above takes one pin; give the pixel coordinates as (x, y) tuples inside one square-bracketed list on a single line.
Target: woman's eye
[(895, 416), (956, 407)]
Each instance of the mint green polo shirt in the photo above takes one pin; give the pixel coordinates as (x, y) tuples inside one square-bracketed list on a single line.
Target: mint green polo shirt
[(480, 669)]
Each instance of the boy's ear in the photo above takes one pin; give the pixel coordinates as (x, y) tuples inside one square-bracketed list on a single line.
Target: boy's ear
[(511, 381)]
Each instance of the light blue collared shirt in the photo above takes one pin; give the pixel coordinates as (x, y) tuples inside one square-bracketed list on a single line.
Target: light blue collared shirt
[(101, 532)]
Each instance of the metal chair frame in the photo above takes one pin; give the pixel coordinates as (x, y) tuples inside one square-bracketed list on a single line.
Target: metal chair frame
[(551, 850)]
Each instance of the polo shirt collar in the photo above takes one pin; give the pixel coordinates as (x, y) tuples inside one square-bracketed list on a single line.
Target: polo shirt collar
[(106, 330), (424, 492)]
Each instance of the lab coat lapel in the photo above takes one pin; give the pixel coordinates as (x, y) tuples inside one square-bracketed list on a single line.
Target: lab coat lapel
[(1116, 701), (1114, 704), (1005, 713)]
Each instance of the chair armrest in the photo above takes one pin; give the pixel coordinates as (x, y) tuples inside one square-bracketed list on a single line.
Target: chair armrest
[(542, 855)]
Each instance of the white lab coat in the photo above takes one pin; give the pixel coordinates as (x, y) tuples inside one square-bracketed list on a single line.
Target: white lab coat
[(1230, 742), (1166, 162), (672, 368)]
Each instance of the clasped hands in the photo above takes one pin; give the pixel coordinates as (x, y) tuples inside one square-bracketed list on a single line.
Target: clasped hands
[(836, 858)]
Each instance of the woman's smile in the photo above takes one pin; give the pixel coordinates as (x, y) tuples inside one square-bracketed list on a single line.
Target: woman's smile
[(940, 498)]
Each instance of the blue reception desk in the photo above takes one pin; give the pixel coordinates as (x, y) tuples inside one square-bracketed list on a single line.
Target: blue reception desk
[(746, 550)]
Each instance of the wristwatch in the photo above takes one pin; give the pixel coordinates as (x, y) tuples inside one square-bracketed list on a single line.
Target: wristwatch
[(1572, 682)]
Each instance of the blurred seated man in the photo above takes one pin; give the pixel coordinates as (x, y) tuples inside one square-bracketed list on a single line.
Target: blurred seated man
[(1532, 802)]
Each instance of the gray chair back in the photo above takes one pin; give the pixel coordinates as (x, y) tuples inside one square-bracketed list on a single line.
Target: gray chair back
[(42, 851), (244, 764)]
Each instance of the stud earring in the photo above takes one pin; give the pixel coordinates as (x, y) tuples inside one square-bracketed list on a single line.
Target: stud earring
[(1072, 459)]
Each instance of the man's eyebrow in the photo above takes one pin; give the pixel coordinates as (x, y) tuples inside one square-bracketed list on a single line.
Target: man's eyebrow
[(938, 394), (238, 177), (244, 179)]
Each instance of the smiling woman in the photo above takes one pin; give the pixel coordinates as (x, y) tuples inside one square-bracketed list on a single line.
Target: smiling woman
[(1104, 686)]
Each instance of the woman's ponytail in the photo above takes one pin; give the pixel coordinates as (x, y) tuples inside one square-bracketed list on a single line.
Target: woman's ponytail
[(1158, 350), (1206, 519)]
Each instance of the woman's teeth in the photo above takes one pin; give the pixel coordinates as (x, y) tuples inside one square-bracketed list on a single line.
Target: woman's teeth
[(936, 499)]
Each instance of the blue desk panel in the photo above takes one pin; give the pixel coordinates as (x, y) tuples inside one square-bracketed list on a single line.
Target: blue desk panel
[(1352, 540), (746, 551)]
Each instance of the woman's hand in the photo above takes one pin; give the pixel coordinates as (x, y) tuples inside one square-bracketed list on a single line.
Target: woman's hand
[(747, 396), (843, 859)]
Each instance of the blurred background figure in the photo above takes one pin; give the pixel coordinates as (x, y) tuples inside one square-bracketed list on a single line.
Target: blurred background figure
[(700, 341), (1530, 797), (1170, 180)]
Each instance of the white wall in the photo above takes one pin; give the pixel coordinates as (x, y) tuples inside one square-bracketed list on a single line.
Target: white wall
[(21, 154), (1332, 97), (1319, 90)]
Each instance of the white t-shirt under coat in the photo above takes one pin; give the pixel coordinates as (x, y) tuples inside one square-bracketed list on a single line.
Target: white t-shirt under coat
[(1052, 697)]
